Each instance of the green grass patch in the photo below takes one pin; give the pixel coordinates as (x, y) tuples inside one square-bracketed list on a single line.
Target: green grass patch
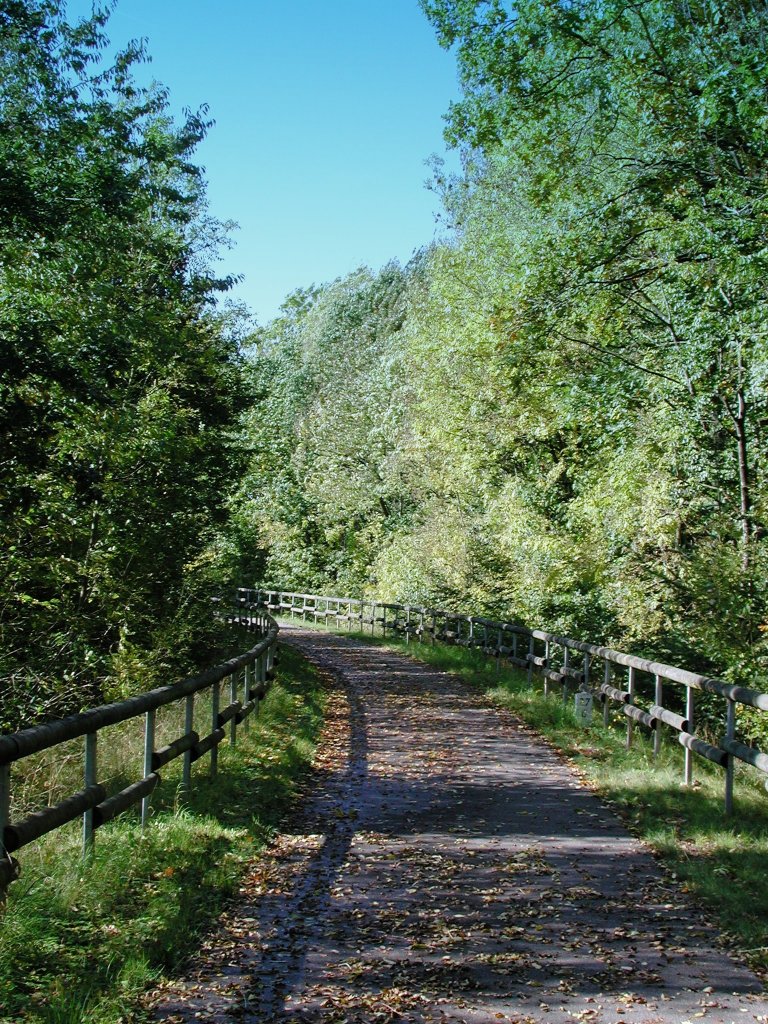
[(722, 860), (80, 941)]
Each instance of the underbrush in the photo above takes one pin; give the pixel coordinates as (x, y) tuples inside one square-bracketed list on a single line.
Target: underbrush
[(720, 860), (80, 941)]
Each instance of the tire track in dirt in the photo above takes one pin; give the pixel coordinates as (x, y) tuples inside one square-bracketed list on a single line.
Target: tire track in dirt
[(443, 865)]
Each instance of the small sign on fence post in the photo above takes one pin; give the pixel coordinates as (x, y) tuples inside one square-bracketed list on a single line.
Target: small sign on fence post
[(583, 707)]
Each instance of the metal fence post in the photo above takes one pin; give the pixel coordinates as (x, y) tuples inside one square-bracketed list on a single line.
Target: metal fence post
[(149, 749), (607, 676), (89, 778), (546, 668)]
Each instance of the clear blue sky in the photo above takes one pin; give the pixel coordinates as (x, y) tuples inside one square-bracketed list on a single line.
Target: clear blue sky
[(325, 111)]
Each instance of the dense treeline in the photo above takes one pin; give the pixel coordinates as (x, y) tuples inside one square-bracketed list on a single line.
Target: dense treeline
[(119, 385), (559, 412)]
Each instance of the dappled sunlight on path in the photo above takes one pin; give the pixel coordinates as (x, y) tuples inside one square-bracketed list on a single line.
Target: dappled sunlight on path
[(444, 865)]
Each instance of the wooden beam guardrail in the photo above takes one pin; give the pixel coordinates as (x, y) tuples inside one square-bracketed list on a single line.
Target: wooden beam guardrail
[(248, 673), (564, 661)]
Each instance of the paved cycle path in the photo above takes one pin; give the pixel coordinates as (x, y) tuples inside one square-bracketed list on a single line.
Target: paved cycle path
[(446, 866)]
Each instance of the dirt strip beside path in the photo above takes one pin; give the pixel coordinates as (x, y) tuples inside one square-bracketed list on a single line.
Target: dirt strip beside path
[(444, 865)]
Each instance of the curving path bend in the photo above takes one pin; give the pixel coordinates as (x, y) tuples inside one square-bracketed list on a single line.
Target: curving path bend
[(445, 866)]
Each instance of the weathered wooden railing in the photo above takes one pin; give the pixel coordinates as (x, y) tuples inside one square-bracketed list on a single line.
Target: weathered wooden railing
[(636, 686), (248, 676)]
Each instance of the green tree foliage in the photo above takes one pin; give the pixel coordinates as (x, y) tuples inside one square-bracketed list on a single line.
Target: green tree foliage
[(119, 385), (325, 486), (578, 420), (627, 144)]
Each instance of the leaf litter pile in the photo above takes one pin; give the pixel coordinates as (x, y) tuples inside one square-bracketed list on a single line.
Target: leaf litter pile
[(443, 865)]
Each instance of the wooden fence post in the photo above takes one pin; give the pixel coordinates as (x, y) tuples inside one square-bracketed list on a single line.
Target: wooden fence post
[(607, 676), (215, 702), (89, 778), (189, 722), (149, 748), (659, 700), (5, 810), (233, 719), (689, 713), (631, 683), (531, 651), (730, 734), (566, 666), (247, 693)]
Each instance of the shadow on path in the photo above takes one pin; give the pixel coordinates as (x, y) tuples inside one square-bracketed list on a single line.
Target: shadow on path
[(447, 866)]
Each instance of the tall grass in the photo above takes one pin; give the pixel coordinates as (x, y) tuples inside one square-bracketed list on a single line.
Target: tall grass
[(79, 941)]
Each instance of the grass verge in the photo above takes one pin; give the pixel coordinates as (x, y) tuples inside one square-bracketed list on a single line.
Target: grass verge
[(722, 861), (80, 942)]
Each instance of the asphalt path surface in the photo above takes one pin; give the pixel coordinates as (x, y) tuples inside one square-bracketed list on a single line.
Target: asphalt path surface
[(445, 865)]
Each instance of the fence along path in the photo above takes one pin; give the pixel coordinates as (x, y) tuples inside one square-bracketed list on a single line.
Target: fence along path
[(445, 866), (637, 686), (248, 677)]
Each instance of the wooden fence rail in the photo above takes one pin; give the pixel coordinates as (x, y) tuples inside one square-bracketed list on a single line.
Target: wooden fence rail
[(249, 676), (636, 687)]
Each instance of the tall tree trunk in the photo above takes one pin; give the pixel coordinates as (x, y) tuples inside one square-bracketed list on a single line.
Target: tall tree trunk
[(745, 498), (738, 417)]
